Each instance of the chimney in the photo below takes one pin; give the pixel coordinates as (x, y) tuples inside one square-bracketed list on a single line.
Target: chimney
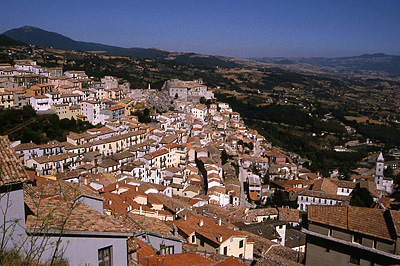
[(201, 223), (219, 238), (174, 230), (219, 221)]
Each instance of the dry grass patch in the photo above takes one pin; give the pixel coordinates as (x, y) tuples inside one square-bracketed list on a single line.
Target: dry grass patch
[(363, 119)]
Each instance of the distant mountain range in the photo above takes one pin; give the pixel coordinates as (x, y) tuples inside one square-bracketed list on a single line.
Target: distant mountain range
[(367, 62), (36, 36), (368, 65)]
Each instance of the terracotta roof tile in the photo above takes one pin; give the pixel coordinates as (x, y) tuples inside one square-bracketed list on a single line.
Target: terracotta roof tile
[(11, 168), (288, 214), (78, 217), (209, 229), (356, 219), (396, 220), (140, 223), (68, 189), (253, 213), (325, 185), (147, 257), (323, 195), (231, 261)]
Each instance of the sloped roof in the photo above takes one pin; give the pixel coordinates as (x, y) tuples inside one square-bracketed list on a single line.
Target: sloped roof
[(25, 146), (288, 214), (323, 195), (147, 257), (11, 168), (68, 189), (231, 261), (325, 185), (140, 223), (252, 214), (173, 204), (50, 214), (209, 229), (356, 219), (396, 220), (344, 183), (168, 139)]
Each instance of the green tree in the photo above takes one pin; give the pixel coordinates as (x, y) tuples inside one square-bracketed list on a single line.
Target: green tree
[(224, 157), (254, 170), (266, 178), (279, 198), (388, 172), (143, 117), (361, 197)]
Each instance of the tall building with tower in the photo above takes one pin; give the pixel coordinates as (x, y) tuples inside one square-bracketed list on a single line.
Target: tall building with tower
[(384, 185)]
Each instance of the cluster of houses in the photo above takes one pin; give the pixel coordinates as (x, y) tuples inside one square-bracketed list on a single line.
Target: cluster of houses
[(69, 94), (197, 174)]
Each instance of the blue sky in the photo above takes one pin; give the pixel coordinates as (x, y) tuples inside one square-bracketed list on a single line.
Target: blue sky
[(281, 28)]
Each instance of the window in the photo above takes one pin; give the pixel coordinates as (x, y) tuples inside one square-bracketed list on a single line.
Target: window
[(241, 243), (240, 255), (225, 251), (193, 238), (357, 239), (202, 242), (105, 256), (355, 259), (166, 249)]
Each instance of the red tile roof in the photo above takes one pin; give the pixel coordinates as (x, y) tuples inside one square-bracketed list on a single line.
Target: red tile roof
[(288, 215), (325, 185), (11, 168), (356, 219), (77, 216), (159, 152), (209, 229), (147, 257), (231, 261), (396, 220)]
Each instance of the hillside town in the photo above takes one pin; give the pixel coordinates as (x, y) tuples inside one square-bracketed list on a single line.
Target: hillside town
[(191, 186)]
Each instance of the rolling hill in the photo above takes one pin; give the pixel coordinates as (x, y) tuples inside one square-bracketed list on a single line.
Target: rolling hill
[(39, 37), (7, 41), (366, 62)]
